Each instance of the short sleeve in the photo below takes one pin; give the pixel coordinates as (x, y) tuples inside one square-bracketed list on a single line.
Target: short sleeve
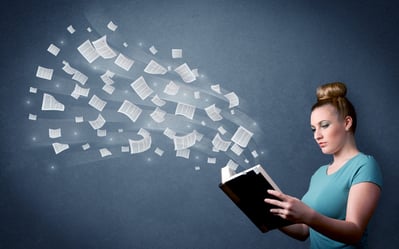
[(368, 171)]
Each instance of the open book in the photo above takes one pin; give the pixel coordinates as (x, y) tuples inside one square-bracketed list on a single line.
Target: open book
[(247, 190)]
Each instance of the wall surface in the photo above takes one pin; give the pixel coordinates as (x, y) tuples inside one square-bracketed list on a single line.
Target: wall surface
[(272, 54)]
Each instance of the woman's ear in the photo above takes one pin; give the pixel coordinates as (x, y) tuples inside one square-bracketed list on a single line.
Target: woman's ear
[(348, 123)]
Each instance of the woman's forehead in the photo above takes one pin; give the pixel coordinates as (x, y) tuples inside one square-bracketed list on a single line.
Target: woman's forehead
[(325, 112)]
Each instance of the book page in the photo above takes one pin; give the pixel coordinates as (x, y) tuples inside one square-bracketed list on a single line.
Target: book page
[(185, 153), (68, 69), (171, 88), (184, 142), (130, 110), (88, 52), (154, 67), (158, 115), (49, 103), (177, 53), (103, 49), (53, 49), (108, 89), (185, 73), (139, 146), (44, 73), (112, 26), (233, 99), (104, 152), (54, 133), (124, 62), (80, 91), (213, 113), (185, 110), (158, 101), (141, 88), (220, 144), (59, 147), (80, 77), (169, 133), (97, 103), (242, 137), (98, 122)]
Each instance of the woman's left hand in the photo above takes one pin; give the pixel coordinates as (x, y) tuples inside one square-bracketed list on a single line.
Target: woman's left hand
[(288, 207)]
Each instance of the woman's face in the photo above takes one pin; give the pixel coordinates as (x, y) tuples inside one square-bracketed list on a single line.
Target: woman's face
[(328, 129)]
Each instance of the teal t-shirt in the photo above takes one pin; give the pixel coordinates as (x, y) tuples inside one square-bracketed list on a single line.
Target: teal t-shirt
[(328, 194)]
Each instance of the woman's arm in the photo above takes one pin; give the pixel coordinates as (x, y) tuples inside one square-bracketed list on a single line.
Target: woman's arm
[(296, 231), (362, 201)]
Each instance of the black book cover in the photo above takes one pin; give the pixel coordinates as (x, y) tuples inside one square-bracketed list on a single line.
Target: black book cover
[(248, 192)]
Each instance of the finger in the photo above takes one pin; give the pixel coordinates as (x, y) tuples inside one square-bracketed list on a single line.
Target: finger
[(277, 194), (274, 202)]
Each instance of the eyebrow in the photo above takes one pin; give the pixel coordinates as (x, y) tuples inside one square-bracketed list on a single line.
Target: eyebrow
[(321, 121)]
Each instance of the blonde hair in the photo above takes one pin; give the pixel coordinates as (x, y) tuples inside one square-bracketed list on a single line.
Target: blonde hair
[(335, 94)]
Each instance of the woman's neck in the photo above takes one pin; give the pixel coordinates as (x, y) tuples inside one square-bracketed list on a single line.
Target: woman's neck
[(348, 151)]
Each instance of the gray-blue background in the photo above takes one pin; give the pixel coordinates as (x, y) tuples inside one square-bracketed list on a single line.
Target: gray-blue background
[(272, 53)]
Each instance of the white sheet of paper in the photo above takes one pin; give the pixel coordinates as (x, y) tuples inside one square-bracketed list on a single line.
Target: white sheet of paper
[(103, 49), (222, 130), (233, 99), (125, 149), (59, 147), (183, 153), (44, 73), (158, 101), (254, 153), (185, 110), (32, 89), (211, 160), (158, 115), (112, 26), (54, 133), (108, 89), (97, 103), (220, 144), (88, 52), (80, 91), (101, 133), (141, 88), (184, 142), (68, 69), (154, 67), (139, 146), (49, 103), (185, 73), (158, 151), (86, 146), (32, 117), (53, 49), (105, 152), (177, 53), (236, 149), (130, 110), (124, 62), (169, 133), (213, 113), (107, 77), (80, 77), (153, 50), (216, 88), (242, 136), (171, 88), (98, 122), (232, 165), (71, 29), (79, 119)]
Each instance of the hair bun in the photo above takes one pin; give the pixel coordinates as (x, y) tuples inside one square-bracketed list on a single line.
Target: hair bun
[(331, 90)]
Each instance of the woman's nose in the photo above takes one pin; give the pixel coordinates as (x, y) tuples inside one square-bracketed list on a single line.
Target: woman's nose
[(317, 134)]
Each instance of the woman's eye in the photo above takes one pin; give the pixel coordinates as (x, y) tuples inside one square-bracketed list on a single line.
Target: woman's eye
[(313, 129), (325, 125)]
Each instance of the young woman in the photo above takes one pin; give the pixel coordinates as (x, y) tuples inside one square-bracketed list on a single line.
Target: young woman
[(342, 195)]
